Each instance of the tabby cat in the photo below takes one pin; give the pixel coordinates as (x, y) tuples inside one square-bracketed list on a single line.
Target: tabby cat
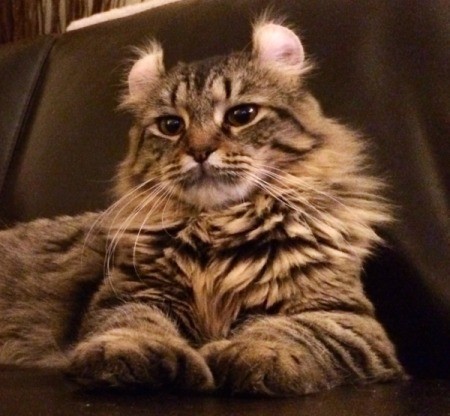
[(232, 257)]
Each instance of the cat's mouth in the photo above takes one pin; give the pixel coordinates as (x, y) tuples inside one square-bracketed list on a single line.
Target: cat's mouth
[(209, 176), (207, 186)]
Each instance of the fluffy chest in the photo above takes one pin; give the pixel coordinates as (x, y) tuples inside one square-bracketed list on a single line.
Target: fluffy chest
[(231, 264), (243, 262)]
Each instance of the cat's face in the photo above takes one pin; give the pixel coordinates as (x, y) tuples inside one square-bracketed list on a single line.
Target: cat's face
[(212, 132)]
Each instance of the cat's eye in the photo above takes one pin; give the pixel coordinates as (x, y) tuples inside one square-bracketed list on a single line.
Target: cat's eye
[(170, 125), (241, 114)]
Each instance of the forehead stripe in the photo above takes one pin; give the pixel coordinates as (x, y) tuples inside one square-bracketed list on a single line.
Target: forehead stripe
[(200, 78), (227, 87), (173, 95)]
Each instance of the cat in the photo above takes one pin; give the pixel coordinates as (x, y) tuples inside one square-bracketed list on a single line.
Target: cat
[(231, 259)]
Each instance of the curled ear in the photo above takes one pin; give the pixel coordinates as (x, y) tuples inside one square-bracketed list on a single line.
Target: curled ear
[(278, 47), (146, 71)]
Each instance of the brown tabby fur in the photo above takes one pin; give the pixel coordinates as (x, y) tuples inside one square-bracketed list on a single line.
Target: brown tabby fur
[(240, 273)]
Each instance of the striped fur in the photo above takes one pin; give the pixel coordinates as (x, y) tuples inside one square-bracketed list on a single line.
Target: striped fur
[(233, 253)]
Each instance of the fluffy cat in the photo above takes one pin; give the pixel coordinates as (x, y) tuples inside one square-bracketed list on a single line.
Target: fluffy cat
[(232, 257)]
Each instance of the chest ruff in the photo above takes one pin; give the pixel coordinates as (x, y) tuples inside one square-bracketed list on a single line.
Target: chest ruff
[(217, 269)]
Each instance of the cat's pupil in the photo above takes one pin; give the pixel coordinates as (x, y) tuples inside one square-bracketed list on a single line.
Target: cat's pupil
[(171, 125), (242, 114)]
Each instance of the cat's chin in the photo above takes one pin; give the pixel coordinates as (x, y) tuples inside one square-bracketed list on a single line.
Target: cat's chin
[(209, 195)]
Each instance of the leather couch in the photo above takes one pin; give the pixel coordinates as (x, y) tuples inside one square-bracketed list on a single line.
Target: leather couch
[(383, 67)]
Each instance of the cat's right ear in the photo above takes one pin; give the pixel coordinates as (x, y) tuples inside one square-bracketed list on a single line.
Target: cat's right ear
[(147, 70), (277, 47)]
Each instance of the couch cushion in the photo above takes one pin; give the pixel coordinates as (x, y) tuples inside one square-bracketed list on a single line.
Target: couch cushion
[(21, 69)]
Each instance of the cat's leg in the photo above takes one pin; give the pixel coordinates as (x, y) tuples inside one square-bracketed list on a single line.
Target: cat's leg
[(303, 353), (136, 344), (49, 270)]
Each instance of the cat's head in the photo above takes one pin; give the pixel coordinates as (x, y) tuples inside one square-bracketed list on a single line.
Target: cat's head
[(211, 133)]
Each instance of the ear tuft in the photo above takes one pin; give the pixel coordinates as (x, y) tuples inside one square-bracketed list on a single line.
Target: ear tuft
[(276, 45), (146, 70)]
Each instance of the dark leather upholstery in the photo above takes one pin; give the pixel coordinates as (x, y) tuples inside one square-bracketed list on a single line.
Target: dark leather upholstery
[(383, 67), (20, 72)]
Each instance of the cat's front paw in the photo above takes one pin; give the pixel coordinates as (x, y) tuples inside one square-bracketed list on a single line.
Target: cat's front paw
[(262, 367), (118, 359)]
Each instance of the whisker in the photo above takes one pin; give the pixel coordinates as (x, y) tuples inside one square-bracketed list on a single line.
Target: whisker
[(306, 211), (161, 198), (169, 197), (284, 176), (309, 219), (112, 246), (125, 198), (300, 185), (268, 188), (119, 231)]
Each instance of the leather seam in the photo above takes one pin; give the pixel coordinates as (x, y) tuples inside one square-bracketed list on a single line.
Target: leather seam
[(26, 111)]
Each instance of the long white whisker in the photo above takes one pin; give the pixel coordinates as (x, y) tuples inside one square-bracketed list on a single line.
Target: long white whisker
[(275, 192), (307, 208), (284, 176), (169, 197), (161, 198), (119, 231), (125, 198), (130, 201), (109, 258)]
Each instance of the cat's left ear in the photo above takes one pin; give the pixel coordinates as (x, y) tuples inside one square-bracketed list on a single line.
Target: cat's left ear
[(278, 47), (147, 70)]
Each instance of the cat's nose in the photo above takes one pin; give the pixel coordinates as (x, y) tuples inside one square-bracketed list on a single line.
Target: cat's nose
[(200, 155), (199, 142)]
